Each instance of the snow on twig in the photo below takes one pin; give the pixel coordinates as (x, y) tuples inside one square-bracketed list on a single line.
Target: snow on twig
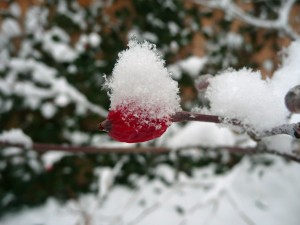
[(280, 24), (289, 129)]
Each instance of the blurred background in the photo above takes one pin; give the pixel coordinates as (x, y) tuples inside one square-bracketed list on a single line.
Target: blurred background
[(53, 55)]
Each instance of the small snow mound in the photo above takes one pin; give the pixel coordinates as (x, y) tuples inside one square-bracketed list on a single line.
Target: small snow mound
[(141, 81), (16, 136), (280, 143), (243, 95), (202, 134)]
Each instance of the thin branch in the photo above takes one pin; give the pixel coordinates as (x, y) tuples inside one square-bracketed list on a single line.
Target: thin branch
[(144, 150), (40, 147), (190, 116), (289, 129), (281, 23)]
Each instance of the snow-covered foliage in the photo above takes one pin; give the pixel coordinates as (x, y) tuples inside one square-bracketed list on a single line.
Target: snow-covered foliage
[(16, 136)]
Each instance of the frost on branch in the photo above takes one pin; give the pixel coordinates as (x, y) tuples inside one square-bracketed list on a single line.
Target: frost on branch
[(143, 95)]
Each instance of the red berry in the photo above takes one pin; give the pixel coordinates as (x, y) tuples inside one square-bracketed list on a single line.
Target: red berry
[(127, 127)]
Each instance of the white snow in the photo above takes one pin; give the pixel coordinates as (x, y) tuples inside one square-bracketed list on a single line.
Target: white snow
[(174, 47), (51, 157), (140, 79), (35, 21), (48, 110), (288, 75), (244, 195), (10, 27), (193, 65), (295, 118), (94, 39), (16, 136), (173, 28), (60, 50), (41, 73), (107, 176), (202, 134), (280, 143), (77, 137), (175, 71), (140, 35), (243, 95), (152, 37), (268, 65), (11, 151), (62, 100), (15, 9), (166, 172), (59, 88), (234, 40)]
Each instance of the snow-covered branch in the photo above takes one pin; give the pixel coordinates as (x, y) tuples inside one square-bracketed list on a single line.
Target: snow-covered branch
[(289, 129), (57, 88), (280, 24)]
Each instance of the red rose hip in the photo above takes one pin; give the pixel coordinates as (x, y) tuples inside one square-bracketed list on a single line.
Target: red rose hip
[(125, 127)]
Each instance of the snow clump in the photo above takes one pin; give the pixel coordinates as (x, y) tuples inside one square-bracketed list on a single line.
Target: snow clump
[(141, 84), (257, 103), (16, 136), (244, 96)]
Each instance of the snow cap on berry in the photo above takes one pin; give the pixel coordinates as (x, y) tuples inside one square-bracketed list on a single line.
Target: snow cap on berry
[(141, 88)]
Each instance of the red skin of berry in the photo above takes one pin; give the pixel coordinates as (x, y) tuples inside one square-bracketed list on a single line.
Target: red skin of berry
[(122, 130)]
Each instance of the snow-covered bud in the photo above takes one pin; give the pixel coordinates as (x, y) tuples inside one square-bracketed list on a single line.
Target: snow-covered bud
[(142, 93), (292, 99)]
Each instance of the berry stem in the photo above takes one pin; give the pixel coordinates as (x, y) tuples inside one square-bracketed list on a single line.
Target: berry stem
[(289, 129), (191, 116)]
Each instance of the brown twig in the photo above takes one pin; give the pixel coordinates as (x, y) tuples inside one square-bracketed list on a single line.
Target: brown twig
[(289, 129), (87, 149), (189, 116), (142, 150)]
